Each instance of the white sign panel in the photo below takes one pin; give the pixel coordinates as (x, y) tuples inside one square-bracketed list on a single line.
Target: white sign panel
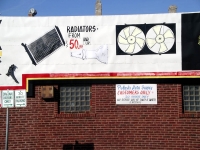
[(91, 46), (20, 98), (136, 94), (7, 98)]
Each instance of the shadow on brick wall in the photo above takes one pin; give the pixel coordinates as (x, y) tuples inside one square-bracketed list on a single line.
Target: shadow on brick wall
[(78, 146)]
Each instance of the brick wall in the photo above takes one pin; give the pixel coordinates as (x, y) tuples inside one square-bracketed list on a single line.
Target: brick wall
[(106, 127)]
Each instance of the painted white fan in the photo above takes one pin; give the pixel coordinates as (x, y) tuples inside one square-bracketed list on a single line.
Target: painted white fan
[(160, 39), (131, 39)]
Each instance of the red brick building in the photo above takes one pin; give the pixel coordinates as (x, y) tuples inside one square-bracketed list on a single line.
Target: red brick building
[(71, 102), (106, 125)]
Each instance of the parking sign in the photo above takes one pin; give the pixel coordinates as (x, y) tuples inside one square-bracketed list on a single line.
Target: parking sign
[(7, 97), (20, 98)]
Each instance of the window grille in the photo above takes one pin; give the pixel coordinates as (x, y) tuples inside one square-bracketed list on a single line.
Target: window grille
[(191, 97), (74, 98)]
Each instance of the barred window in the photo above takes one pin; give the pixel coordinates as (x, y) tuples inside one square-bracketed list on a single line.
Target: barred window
[(191, 97), (74, 98)]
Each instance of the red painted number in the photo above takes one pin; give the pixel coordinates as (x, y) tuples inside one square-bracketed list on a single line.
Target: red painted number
[(74, 43)]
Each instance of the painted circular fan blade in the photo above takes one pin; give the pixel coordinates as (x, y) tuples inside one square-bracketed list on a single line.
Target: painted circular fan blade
[(130, 49), (157, 29), (136, 32), (169, 34), (151, 42), (140, 42), (121, 40), (163, 48), (127, 32)]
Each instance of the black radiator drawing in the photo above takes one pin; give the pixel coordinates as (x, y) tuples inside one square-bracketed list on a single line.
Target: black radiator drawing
[(45, 45)]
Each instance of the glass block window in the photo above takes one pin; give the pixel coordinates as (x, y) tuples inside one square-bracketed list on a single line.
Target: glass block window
[(191, 98), (74, 98)]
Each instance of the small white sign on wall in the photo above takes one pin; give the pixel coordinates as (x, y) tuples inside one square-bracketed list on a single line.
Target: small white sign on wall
[(136, 93), (20, 98), (7, 98)]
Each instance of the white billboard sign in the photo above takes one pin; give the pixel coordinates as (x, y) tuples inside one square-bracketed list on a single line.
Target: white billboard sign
[(122, 46), (136, 93), (20, 98), (7, 98)]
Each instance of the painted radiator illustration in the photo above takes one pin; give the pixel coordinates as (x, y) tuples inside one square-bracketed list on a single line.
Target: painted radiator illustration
[(45, 45)]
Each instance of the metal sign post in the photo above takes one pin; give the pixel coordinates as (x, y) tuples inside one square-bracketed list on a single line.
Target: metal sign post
[(9, 98), (7, 128), (7, 102)]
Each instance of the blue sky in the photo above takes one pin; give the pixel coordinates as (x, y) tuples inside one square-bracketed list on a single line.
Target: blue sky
[(86, 7)]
